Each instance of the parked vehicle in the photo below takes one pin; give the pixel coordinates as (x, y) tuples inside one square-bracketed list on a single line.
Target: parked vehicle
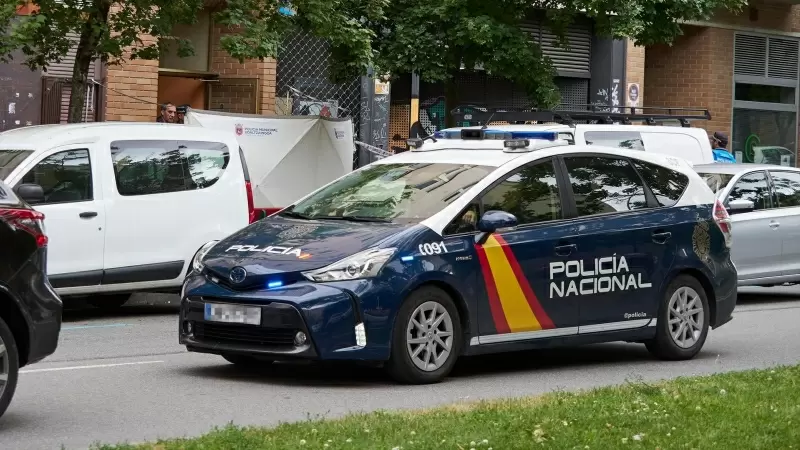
[(764, 203), (486, 240), (614, 130), (30, 310), (127, 204)]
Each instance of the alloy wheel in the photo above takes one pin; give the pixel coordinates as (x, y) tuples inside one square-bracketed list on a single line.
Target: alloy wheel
[(686, 317), (429, 336), (5, 366)]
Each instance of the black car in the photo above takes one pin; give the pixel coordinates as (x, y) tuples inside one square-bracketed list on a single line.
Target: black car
[(30, 310)]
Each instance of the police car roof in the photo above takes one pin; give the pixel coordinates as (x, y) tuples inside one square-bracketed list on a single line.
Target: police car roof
[(490, 152)]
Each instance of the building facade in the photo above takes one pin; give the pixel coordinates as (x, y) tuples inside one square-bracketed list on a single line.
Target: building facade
[(744, 68)]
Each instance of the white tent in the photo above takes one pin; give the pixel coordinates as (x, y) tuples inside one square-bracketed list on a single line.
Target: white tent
[(287, 156)]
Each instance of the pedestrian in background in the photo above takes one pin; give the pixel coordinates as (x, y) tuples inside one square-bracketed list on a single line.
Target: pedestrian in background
[(719, 144), (168, 113), (181, 113)]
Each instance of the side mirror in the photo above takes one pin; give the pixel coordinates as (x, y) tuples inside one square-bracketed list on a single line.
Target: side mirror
[(741, 205), (31, 193), (494, 220)]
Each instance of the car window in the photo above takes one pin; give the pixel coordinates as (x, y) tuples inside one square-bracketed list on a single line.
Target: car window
[(754, 187), (716, 181), (10, 159), (400, 192), (666, 184), (65, 177), (531, 194), (604, 185), (786, 186), (7, 196), (157, 166), (630, 140)]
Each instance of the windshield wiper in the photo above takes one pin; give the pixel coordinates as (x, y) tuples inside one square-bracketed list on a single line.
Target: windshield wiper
[(296, 215), (358, 219)]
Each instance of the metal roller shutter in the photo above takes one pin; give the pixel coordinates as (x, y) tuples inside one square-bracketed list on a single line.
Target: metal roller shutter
[(573, 62), (762, 56)]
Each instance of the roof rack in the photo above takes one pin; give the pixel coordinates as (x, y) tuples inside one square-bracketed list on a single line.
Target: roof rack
[(601, 114)]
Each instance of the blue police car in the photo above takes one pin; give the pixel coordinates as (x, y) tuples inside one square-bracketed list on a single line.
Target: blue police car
[(477, 240)]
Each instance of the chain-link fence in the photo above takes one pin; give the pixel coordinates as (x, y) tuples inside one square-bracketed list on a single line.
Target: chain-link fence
[(303, 83)]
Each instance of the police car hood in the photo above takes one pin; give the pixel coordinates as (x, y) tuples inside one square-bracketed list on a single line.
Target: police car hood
[(273, 245)]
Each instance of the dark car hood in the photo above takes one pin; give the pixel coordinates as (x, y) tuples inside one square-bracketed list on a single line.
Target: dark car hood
[(277, 245)]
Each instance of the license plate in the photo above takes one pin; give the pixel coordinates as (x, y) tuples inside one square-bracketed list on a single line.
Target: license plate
[(248, 315)]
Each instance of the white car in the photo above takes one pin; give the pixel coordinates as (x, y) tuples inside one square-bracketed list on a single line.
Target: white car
[(127, 204), (689, 143)]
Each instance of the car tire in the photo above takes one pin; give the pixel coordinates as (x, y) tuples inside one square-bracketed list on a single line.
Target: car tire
[(109, 302), (684, 307), (247, 361), (9, 366), (416, 362)]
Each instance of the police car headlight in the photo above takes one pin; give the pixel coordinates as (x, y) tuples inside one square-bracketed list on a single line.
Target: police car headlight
[(365, 264), (197, 261)]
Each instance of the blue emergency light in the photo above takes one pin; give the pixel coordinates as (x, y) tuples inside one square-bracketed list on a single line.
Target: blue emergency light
[(274, 284), (503, 135)]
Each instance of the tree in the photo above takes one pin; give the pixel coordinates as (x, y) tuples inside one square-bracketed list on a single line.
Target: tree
[(435, 38), (112, 32)]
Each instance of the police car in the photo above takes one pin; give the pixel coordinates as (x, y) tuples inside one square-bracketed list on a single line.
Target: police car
[(478, 240)]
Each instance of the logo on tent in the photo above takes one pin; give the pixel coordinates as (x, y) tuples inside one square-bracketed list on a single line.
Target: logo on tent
[(239, 129)]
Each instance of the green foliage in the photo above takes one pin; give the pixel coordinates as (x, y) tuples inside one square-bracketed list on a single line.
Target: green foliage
[(432, 38)]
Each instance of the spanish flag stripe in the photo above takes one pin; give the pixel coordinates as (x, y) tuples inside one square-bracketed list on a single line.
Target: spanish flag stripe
[(533, 301), (494, 300), (518, 313)]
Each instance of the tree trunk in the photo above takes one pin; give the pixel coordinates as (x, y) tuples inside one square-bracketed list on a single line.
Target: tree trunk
[(90, 37)]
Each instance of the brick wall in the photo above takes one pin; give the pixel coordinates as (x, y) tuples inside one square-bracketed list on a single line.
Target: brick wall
[(696, 71), (234, 93), (138, 79), (634, 69), (770, 15)]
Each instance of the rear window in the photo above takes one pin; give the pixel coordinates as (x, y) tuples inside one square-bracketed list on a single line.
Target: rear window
[(158, 167), (667, 185), (630, 140), (716, 181), (7, 196), (10, 159)]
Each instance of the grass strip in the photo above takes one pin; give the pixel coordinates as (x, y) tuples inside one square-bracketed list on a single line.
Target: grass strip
[(741, 410)]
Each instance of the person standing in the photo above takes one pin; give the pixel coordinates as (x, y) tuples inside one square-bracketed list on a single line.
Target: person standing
[(168, 113), (719, 146), (181, 117)]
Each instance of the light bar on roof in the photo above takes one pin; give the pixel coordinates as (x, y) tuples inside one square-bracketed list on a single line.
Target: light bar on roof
[(501, 135)]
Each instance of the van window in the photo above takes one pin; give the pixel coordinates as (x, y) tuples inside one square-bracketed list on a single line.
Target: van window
[(677, 144), (10, 159), (157, 167), (65, 177), (630, 140)]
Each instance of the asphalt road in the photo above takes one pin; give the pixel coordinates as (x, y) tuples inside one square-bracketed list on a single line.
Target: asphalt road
[(123, 377)]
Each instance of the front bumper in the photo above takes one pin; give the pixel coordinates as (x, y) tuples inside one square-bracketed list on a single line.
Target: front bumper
[(330, 317)]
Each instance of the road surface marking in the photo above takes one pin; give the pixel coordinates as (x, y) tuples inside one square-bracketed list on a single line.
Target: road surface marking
[(96, 366), (84, 327)]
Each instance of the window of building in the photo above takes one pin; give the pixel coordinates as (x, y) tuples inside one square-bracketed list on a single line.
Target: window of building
[(765, 99), (198, 34), (157, 167), (65, 177), (604, 185)]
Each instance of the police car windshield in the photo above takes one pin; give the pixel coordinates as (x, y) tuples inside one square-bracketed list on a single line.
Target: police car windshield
[(403, 193), (716, 181)]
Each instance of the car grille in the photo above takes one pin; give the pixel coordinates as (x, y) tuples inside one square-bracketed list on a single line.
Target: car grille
[(237, 334)]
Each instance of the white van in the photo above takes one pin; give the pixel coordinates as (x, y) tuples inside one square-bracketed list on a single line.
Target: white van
[(685, 142), (127, 205)]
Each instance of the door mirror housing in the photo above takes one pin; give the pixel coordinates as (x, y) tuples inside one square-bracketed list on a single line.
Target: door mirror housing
[(31, 193), (741, 205), (492, 221)]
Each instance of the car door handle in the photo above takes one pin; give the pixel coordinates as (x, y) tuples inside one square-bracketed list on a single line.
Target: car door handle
[(660, 237), (87, 215), (774, 224), (565, 250)]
